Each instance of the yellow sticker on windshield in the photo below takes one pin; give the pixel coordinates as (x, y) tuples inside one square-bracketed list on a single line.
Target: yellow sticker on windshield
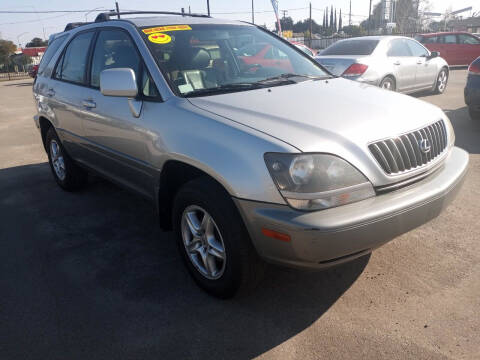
[(166, 28), (159, 38)]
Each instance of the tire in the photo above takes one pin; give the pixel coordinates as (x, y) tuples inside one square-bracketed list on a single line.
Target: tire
[(67, 174), (241, 269), (474, 114), (442, 81), (388, 83)]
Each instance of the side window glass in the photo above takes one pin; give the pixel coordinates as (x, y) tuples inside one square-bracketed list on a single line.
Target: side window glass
[(51, 50), (450, 39), (430, 40), (148, 86), (468, 39), (416, 49), (73, 64), (399, 48), (113, 49)]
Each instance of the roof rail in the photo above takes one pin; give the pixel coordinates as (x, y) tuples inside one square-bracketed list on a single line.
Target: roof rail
[(74, 25), (107, 15)]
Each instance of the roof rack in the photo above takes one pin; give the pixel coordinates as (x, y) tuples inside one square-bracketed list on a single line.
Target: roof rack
[(74, 25), (107, 15)]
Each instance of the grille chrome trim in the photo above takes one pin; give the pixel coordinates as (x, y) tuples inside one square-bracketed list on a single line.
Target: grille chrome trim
[(402, 153)]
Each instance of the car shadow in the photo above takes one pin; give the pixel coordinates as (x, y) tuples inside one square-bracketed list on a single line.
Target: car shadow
[(467, 130), (20, 84), (91, 275)]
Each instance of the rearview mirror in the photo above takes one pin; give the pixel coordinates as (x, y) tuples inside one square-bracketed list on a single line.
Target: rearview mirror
[(434, 54), (118, 82)]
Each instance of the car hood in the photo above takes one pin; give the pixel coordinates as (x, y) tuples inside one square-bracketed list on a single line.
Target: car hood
[(310, 115)]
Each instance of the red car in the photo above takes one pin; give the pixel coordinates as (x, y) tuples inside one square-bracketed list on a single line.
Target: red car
[(264, 55), (457, 48), (304, 48), (33, 71)]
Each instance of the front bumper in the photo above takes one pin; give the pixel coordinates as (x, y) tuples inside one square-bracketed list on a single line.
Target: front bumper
[(324, 238)]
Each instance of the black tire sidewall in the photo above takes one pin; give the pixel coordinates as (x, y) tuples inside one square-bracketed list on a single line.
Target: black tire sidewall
[(391, 80), (230, 227)]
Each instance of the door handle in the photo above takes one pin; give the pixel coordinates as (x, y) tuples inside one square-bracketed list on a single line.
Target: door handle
[(50, 92), (396, 63), (420, 62), (89, 104)]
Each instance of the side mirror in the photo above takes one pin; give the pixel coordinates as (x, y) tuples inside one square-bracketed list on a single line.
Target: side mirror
[(118, 82), (434, 54)]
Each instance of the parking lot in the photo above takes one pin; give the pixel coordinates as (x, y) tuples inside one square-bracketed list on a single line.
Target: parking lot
[(90, 275)]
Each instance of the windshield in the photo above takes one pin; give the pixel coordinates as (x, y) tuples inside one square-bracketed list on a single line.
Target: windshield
[(210, 59), (351, 47)]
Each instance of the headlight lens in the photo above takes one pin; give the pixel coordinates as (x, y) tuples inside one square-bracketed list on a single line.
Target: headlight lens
[(317, 181)]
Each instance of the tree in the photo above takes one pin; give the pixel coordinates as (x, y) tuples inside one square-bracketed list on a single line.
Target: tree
[(331, 17), (354, 30), (326, 17), (340, 21), (335, 22), (7, 48), (37, 42), (21, 59)]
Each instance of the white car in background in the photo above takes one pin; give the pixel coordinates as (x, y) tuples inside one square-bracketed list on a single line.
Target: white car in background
[(392, 62)]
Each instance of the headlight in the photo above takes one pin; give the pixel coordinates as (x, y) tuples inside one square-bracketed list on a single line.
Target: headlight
[(317, 181)]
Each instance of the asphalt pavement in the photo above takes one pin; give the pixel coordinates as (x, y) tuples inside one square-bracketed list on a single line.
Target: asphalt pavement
[(90, 275)]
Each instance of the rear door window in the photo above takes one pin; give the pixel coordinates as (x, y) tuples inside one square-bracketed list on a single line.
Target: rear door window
[(73, 64), (351, 47), (449, 39), (429, 40)]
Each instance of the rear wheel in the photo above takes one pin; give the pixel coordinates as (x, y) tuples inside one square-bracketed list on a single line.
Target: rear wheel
[(67, 174), (474, 114), (213, 240), (388, 83), (442, 80)]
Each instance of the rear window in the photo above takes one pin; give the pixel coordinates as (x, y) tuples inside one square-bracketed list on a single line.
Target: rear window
[(351, 47)]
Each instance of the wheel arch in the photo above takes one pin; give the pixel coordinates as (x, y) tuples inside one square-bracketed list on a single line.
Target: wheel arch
[(176, 173), (45, 125)]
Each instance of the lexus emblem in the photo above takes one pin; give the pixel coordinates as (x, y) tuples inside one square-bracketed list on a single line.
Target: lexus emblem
[(424, 146)]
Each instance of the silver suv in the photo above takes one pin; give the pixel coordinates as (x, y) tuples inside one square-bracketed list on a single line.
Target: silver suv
[(249, 150)]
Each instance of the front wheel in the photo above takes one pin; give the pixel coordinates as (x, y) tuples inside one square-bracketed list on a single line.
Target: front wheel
[(213, 240), (442, 80), (388, 83)]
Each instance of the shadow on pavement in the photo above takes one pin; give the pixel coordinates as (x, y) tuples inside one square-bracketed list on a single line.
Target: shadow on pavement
[(467, 131), (20, 84), (90, 276)]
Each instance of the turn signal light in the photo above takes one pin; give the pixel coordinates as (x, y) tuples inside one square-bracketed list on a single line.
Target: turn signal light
[(355, 70), (276, 235)]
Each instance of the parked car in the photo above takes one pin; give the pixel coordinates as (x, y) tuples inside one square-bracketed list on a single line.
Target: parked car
[(240, 165), (472, 89), (457, 48), (391, 62), (304, 48), (263, 55), (33, 71)]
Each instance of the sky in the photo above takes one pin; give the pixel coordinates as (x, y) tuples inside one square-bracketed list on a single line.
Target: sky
[(23, 27)]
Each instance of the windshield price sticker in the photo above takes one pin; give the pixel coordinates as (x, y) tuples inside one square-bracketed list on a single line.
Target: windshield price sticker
[(159, 38), (166, 28)]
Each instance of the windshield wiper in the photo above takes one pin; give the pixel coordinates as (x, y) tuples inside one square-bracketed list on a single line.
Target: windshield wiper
[(224, 89), (287, 78)]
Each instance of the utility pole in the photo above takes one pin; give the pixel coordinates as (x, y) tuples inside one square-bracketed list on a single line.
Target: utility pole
[(118, 9), (369, 17), (310, 44), (189, 10), (253, 14), (350, 15), (285, 12), (208, 7)]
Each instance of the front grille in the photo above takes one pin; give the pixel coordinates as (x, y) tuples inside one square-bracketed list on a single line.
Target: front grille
[(404, 152)]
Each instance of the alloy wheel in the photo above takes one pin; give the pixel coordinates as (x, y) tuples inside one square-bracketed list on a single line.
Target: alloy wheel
[(442, 81), (203, 242), (57, 160)]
